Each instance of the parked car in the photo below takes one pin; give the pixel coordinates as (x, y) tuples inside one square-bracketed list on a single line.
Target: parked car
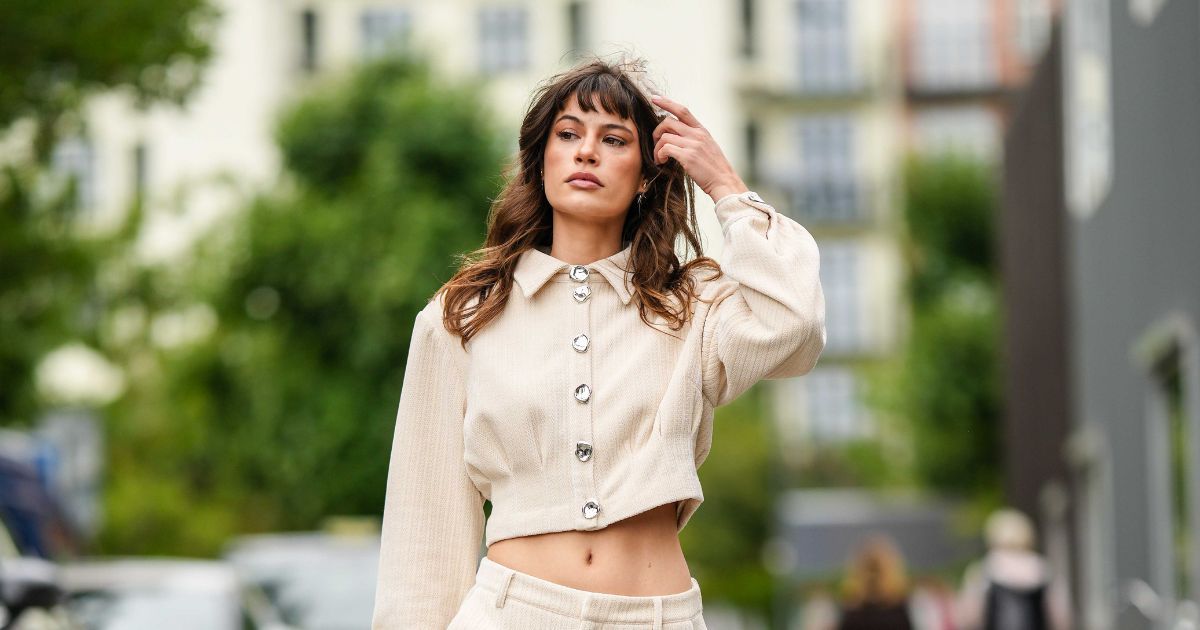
[(313, 581), (153, 593), (30, 593)]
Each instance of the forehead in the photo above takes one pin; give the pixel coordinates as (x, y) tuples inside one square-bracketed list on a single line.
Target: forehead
[(594, 112)]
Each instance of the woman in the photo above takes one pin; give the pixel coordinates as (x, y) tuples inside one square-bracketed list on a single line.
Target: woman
[(568, 372), (876, 589)]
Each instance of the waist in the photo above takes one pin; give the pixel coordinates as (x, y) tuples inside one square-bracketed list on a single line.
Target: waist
[(637, 556), (506, 585)]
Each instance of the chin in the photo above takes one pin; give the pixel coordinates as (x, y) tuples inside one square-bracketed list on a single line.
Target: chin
[(580, 206)]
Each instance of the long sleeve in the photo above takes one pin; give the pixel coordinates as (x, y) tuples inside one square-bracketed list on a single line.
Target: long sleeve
[(433, 515), (767, 319)]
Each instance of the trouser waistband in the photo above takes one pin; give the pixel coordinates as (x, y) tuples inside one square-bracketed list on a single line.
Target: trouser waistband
[(507, 583)]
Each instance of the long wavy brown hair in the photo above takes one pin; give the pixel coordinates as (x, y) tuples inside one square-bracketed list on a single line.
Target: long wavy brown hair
[(876, 574), (521, 216)]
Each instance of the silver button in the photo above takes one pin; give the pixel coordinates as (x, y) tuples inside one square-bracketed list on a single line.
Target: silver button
[(582, 293), (580, 342), (583, 393), (591, 509), (578, 273), (583, 451)]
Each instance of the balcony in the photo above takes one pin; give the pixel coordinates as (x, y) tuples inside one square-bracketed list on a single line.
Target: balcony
[(828, 201)]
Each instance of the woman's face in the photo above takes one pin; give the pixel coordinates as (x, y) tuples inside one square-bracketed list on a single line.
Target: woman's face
[(599, 144)]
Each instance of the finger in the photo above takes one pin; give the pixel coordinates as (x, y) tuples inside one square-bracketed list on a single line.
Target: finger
[(672, 125), (670, 151), (672, 138), (681, 112), (665, 151)]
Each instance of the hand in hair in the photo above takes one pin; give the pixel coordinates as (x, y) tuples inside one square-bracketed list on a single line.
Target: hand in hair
[(682, 138)]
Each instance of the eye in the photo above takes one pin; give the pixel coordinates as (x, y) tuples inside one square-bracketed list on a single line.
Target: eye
[(616, 142), (566, 134)]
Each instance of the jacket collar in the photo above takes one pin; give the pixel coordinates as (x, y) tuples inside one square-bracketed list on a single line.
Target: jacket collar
[(536, 267)]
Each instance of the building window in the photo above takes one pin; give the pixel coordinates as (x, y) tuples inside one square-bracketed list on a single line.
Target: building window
[(970, 130), (1032, 28), (1172, 436), (139, 171), (834, 411), (827, 187), (953, 47), (1088, 109), (74, 161), (1092, 460), (308, 42), (503, 39), (576, 28), (384, 31), (823, 36), (1146, 11), (841, 274), (746, 15), (753, 144), (1179, 440)]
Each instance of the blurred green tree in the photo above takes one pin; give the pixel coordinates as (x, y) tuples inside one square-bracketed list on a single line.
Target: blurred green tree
[(724, 540), (53, 55), (284, 414), (945, 382)]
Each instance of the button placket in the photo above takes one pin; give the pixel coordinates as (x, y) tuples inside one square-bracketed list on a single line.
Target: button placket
[(579, 431)]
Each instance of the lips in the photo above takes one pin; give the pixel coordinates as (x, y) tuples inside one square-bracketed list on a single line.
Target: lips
[(585, 177)]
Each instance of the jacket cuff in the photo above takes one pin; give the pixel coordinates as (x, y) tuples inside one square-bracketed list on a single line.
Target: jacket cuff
[(736, 206)]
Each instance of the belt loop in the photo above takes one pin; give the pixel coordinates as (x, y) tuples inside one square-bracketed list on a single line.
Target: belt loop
[(502, 592), (584, 609), (658, 614)]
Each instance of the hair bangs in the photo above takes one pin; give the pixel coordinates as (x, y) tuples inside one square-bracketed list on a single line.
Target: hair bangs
[(605, 92)]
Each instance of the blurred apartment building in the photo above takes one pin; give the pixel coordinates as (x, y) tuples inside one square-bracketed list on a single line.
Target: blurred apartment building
[(1102, 309), (873, 81), (815, 102)]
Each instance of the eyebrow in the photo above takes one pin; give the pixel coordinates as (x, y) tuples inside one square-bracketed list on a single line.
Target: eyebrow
[(605, 125)]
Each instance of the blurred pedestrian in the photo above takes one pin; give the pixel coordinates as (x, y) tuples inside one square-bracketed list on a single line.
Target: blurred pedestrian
[(819, 611), (875, 591), (932, 604), (1012, 587)]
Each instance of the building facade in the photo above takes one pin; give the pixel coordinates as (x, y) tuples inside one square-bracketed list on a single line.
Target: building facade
[(1102, 341)]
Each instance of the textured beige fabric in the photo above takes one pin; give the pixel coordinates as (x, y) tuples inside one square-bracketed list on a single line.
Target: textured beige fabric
[(500, 419), (505, 599)]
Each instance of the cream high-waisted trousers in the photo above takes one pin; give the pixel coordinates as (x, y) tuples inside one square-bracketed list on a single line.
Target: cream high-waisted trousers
[(506, 599)]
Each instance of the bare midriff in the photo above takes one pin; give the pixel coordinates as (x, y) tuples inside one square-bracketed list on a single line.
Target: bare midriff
[(637, 556)]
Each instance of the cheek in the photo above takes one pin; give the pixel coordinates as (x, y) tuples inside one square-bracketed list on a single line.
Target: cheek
[(548, 158), (632, 169)]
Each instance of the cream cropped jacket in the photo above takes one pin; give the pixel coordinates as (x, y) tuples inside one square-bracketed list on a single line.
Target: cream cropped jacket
[(568, 412)]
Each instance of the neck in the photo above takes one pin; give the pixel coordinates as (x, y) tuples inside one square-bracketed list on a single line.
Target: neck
[(581, 242)]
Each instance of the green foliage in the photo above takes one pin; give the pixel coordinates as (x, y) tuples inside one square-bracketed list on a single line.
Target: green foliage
[(54, 53), (949, 208), (285, 413), (946, 383), (44, 285), (723, 541)]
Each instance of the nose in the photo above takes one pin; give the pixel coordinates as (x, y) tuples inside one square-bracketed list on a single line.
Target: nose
[(587, 151)]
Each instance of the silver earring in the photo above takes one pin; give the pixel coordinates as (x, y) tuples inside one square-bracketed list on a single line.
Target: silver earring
[(640, 196)]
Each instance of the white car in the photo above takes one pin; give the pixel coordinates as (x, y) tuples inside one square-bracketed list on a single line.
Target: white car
[(313, 581), (152, 593)]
